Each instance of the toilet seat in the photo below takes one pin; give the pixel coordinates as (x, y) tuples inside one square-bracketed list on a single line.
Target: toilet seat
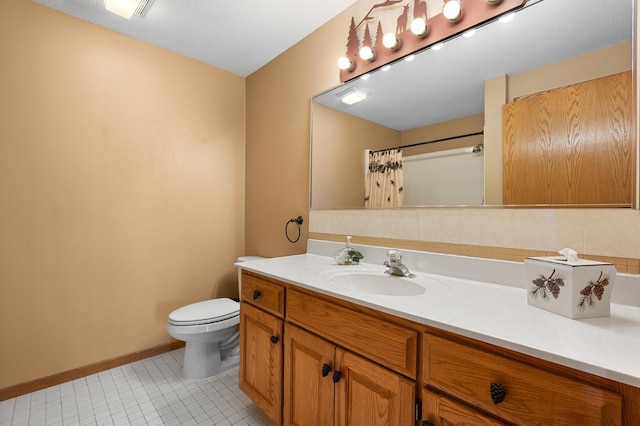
[(206, 312)]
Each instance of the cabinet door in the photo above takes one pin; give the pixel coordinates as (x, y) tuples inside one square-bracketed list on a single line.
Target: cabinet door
[(260, 375), (308, 377), (571, 145), (371, 395), (440, 411)]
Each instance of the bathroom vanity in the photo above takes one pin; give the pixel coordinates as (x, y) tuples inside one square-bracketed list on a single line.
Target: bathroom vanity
[(462, 352)]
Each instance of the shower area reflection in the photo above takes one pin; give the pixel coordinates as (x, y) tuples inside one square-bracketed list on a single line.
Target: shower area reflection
[(449, 177)]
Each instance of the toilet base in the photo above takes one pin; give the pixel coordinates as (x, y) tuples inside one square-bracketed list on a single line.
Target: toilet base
[(205, 359)]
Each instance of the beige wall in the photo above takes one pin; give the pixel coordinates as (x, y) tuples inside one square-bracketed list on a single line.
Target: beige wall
[(121, 185), (278, 115), (340, 141)]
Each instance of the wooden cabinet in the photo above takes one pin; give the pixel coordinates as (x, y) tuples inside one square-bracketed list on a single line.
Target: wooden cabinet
[(513, 391), (261, 350), (308, 375), (310, 359), (369, 394), (327, 385), (260, 372)]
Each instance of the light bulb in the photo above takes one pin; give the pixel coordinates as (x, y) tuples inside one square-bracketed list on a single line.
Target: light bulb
[(506, 18), (469, 33), (345, 64), (367, 54), (452, 10), (409, 58), (390, 41), (124, 8), (419, 27), (386, 67), (437, 46)]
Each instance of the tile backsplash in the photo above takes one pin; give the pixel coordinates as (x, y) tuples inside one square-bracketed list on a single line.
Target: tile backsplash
[(610, 234)]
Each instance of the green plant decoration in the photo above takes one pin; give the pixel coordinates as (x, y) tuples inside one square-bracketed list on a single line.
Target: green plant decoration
[(354, 255)]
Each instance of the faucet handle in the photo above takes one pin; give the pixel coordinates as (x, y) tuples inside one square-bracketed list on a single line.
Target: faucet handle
[(394, 256)]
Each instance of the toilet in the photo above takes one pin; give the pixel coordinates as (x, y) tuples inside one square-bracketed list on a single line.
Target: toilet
[(211, 332)]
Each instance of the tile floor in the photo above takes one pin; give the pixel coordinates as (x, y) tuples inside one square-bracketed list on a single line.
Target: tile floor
[(147, 392)]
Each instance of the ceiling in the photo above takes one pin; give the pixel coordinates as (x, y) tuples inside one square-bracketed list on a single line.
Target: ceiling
[(447, 84), (233, 35)]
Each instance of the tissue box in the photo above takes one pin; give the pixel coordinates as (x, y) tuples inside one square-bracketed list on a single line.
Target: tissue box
[(572, 288)]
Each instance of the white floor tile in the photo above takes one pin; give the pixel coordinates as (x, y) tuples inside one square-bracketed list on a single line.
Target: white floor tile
[(150, 392)]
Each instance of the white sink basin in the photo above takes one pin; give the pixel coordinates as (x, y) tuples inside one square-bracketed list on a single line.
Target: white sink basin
[(377, 282)]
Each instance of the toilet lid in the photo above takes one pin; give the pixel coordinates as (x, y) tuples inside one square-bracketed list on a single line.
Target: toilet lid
[(213, 310)]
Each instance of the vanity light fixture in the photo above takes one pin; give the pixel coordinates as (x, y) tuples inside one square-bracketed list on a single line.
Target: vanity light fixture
[(367, 54), (390, 41), (419, 27), (127, 8), (346, 64), (352, 95), (452, 10)]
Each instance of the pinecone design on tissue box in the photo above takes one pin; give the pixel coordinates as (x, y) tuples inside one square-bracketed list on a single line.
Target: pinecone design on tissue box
[(572, 287)]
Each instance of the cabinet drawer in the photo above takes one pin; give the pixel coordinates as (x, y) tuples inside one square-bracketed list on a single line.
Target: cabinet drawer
[(533, 395), (439, 410), (263, 293), (388, 344)]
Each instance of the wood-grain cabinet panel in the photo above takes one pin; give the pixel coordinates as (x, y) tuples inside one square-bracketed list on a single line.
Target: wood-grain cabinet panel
[(533, 395), (438, 410), (261, 352), (263, 292), (309, 388), (326, 385), (391, 345)]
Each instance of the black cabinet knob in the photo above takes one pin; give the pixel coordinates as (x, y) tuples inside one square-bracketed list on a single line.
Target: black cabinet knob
[(326, 369), (498, 393), (336, 376), (256, 294), (275, 339), (426, 423)]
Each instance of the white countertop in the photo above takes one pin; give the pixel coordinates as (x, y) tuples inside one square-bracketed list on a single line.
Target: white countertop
[(493, 313)]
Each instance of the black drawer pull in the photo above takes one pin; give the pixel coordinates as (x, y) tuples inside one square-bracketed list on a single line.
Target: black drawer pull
[(336, 376), (256, 294), (426, 423), (274, 339), (326, 369), (498, 393)]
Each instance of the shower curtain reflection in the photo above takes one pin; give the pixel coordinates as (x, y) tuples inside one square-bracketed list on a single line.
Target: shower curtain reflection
[(384, 186)]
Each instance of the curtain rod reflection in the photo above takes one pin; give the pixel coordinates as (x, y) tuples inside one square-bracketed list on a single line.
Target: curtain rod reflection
[(433, 141)]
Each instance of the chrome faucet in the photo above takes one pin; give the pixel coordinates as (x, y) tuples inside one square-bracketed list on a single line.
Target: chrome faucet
[(395, 265)]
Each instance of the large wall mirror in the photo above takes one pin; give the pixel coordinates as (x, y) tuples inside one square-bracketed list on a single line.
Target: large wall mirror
[(448, 111)]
